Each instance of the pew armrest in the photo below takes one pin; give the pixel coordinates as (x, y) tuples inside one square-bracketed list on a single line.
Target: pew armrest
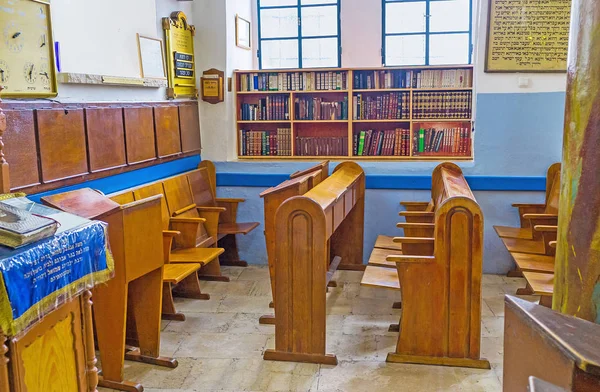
[(171, 233), (546, 217), (414, 240), (210, 209), (414, 205), (545, 228), (197, 221), (529, 205), (419, 214), (408, 259), (229, 200), (404, 225)]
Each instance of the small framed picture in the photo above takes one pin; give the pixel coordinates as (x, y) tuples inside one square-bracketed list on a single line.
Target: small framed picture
[(152, 58), (243, 33)]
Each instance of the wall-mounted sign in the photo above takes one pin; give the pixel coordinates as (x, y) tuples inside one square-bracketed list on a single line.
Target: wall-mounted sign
[(212, 86), (179, 37)]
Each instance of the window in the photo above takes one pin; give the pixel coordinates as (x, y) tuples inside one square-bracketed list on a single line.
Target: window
[(298, 33), (427, 32)]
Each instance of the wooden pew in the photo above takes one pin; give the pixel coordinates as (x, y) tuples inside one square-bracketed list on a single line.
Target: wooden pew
[(550, 206), (444, 269), (205, 179), (316, 233), (129, 306), (182, 275), (193, 231), (273, 198), (539, 342)]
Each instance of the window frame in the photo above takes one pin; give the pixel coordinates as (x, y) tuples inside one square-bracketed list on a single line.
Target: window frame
[(427, 33), (300, 38)]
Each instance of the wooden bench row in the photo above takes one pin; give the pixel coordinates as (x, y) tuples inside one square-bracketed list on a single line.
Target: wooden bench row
[(438, 270), (532, 246), (314, 224), (164, 238)]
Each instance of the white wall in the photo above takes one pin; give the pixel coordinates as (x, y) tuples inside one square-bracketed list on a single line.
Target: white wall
[(361, 47), (99, 37)]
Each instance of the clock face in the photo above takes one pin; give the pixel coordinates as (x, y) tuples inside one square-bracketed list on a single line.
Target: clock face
[(26, 49)]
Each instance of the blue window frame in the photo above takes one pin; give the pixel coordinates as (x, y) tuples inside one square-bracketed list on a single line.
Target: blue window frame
[(299, 34), (427, 32)]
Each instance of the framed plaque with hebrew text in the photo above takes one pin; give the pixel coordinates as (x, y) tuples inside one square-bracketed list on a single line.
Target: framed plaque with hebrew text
[(528, 35)]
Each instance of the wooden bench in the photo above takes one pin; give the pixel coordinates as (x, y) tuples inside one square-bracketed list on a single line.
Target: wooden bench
[(128, 307), (550, 206), (560, 349), (182, 275), (204, 189), (316, 232), (440, 278), (298, 184), (197, 227)]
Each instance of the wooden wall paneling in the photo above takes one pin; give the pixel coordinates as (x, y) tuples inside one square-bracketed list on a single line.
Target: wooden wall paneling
[(139, 134), (189, 122), (21, 148), (166, 122), (105, 138), (61, 135)]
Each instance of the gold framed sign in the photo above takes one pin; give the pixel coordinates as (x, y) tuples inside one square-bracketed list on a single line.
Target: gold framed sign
[(527, 35), (179, 37), (243, 33), (27, 67), (212, 86)]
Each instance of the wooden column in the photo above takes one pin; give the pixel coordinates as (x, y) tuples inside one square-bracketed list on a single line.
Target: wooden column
[(577, 271), (4, 178)]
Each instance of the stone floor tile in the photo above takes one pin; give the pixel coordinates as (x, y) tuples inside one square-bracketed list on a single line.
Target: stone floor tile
[(348, 276), (492, 349), (496, 305), (476, 380), (189, 305), (244, 304), (347, 347), (254, 273), (359, 324), (222, 345), (202, 322), (373, 306), (492, 279), (248, 323), (493, 290), (151, 376), (492, 327), (235, 287), (261, 288), (232, 272)]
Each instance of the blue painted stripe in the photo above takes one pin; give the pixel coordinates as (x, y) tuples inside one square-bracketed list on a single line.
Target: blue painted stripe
[(130, 179), (385, 181)]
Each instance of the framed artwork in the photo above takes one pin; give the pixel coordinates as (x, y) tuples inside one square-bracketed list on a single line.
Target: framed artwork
[(152, 57), (243, 33)]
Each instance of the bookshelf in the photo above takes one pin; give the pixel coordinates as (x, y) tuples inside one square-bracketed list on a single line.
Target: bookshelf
[(396, 113)]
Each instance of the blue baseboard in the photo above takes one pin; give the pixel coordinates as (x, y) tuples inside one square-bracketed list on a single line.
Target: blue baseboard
[(130, 179), (387, 181)]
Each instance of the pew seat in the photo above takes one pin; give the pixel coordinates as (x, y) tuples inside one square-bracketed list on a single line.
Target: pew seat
[(541, 284), (534, 263), (176, 273), (195, 255), (513, 232), (379, 258), (387, 242), (381, 277), (518, 245), (236, 228)]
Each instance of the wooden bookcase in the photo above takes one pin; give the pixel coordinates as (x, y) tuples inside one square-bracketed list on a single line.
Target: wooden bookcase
[(401, 98)]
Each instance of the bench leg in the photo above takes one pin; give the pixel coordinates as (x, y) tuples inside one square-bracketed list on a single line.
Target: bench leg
[(516, 273), (394, 328), (397, 305), (267, 319), (271, 305), (525, 291), (212, 272), (168, 306), (190, 288), (230, 257)]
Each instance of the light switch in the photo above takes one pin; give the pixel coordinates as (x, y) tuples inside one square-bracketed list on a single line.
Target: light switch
[(523, 82)]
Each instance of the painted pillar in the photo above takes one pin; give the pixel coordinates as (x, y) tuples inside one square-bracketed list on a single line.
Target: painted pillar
[(577, 271)]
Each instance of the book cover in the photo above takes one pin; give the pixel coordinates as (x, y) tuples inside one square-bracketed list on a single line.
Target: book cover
[(421, 140)]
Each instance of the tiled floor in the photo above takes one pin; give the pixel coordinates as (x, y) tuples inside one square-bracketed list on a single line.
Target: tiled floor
[(220, 345)]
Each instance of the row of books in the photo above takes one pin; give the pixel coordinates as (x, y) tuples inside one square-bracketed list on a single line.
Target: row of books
[(315, 108), (436, 78), (321, 146), (393, 142), (381, 107), (448, 104), (260, 143), (294, 81), (269, 109), (451, 141)]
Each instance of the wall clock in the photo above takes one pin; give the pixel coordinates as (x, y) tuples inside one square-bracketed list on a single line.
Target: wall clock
[(26, 49)]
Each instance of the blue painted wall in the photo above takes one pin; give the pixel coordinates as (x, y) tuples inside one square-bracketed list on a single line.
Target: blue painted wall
[(517, 137)]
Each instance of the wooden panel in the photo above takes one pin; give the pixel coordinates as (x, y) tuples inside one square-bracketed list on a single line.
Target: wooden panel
[(20, 148), (62, 143), (178, 192), (166, 122), (106, 141), (139, 134), (189, 121)]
